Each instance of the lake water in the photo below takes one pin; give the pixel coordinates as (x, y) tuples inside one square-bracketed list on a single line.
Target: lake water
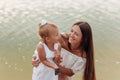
[(18, 33)]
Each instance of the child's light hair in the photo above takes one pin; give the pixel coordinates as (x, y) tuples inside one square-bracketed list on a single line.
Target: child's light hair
[(44, 30)]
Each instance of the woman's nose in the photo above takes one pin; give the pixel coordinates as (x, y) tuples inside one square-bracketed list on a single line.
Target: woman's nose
[(72, 34)]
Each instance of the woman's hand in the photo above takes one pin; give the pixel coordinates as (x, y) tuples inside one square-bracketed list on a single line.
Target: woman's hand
[(35, 62)]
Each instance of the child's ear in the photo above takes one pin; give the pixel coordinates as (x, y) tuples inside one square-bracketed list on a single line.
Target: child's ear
[(47, 38)]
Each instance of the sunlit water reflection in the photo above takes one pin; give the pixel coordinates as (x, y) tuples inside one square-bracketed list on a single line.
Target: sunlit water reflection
[(18, 33)]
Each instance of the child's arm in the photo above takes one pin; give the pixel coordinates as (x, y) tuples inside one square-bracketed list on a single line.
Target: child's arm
[(57, 50), (42, 56)]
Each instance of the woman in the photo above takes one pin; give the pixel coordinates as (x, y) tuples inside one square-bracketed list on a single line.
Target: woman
[(79, 43)]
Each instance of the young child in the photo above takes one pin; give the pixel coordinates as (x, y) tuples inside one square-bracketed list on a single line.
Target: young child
[(47, 49)]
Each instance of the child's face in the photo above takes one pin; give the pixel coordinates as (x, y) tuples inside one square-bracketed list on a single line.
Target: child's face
[(54, 35)]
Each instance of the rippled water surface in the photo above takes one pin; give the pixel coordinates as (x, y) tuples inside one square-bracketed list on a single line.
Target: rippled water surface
[(18, 33)]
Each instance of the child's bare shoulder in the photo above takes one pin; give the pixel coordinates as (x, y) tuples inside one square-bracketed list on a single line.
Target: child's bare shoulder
[(40, 48), (41, 52)]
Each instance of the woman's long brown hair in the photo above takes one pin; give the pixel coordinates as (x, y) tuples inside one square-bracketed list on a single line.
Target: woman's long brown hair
[(87, 46)]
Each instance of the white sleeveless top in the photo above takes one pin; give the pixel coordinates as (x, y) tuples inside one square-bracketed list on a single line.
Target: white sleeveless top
[(43, 72)]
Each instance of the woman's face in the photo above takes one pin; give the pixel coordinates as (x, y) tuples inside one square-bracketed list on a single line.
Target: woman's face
[(75, 35)]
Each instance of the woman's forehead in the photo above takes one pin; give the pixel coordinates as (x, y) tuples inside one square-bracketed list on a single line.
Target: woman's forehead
[(76, 28)]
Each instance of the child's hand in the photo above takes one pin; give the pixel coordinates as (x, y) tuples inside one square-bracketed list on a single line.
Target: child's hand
[(58, 60)]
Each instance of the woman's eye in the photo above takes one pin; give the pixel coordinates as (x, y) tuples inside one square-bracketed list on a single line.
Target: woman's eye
[(76, 34)]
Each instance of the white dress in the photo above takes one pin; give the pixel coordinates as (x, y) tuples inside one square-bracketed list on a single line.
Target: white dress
[(43, 72), (71, 61)]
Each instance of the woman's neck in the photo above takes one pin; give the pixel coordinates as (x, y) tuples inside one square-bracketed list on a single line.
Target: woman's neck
[(75, 49)]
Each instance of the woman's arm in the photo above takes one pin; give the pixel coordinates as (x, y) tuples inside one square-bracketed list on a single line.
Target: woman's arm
[(66, 71), (35, 62), (64, 40)]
